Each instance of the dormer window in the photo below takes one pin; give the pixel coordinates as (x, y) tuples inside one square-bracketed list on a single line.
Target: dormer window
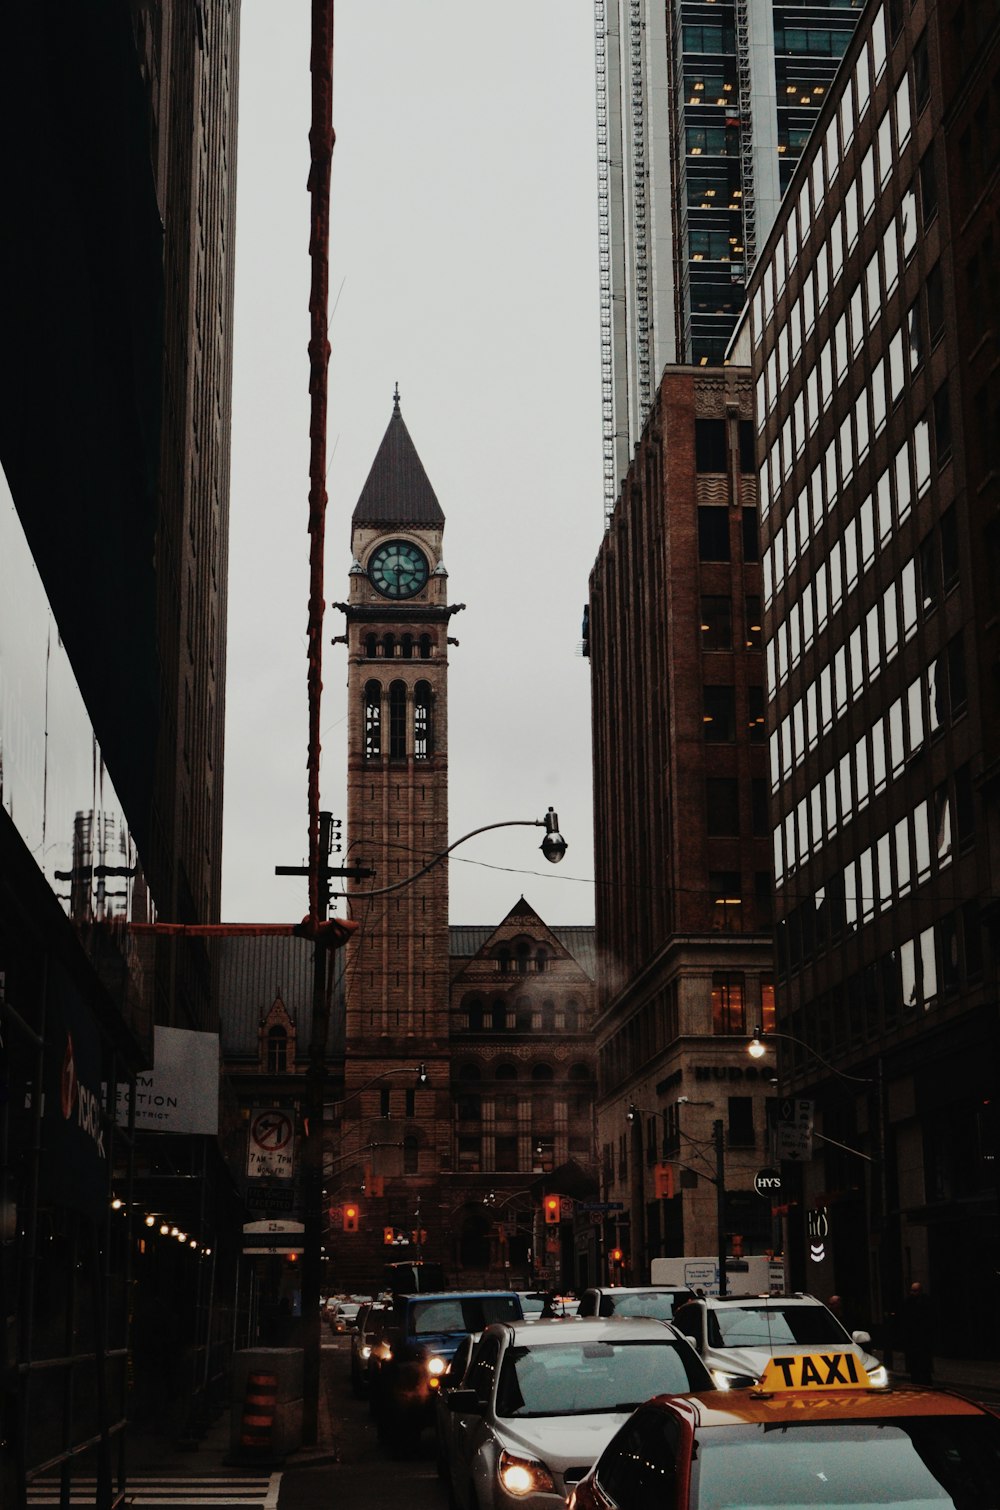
[(277, 1051)]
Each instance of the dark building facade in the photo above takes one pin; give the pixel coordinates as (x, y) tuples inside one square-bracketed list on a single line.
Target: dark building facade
[(682, 840), (119, 164), (873, 339)]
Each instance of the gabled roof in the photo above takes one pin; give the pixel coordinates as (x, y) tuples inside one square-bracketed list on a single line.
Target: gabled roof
[(398, 491)]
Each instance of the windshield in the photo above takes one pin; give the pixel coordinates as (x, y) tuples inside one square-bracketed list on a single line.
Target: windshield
[(919, 1463), (579, 1378), (463, 1313), (659, 1307), (763, 1326)]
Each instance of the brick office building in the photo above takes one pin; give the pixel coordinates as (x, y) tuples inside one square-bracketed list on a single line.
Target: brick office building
[(681, 826)]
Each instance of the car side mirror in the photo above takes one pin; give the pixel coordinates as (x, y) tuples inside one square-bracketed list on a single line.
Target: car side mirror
[(863, 1339), (465, 1402)]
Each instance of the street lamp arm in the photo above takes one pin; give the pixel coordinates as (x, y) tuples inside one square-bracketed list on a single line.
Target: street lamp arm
[(419, 1074), (554, 846), (757, 1047)]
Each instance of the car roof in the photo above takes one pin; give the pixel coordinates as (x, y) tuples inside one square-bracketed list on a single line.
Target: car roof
[(713, 1408), (455, 1294), (642, 1290), (759, 1298), (586, 1329)]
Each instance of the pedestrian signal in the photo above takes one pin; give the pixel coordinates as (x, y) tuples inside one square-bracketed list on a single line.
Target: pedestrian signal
[(663, 1182), (350, 1217), (553, 1208)]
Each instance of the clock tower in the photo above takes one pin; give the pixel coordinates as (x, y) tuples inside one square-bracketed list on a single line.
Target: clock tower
[(397, 966)]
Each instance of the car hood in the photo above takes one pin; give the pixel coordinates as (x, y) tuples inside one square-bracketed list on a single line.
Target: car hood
[(754, 1360), (561, 1442)]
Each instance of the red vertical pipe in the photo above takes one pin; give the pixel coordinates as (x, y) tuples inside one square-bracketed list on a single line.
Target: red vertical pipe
[(321, 139)]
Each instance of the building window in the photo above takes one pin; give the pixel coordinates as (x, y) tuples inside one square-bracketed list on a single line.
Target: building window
[(277, 1051), (754, 623), (422, 746), (719, 718), (505, 1153), (726, 901), (410, 1155), (397, 721), (713, 534), (741, 1130), (373, 720), (716, 623), (728, 1004), (722, 803), (710, 445)]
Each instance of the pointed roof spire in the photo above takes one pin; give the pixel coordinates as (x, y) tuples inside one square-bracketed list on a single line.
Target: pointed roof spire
[(398, 491)]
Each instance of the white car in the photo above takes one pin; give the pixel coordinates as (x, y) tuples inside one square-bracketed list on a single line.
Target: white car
[(541, 1399), (737, 1336)]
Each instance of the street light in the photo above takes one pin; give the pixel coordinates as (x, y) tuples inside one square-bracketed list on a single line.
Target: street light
[(553, 847), (757, 1048)]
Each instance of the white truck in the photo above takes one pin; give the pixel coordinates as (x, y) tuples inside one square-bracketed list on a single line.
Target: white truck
[(756, 1275)]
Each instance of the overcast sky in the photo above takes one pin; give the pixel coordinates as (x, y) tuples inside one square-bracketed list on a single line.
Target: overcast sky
[(463, 266)]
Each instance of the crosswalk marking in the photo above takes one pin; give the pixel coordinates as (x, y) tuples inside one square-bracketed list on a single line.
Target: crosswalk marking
[(251, 1491)]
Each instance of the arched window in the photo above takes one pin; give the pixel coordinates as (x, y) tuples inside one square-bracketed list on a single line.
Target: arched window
[(389, 646), (277, 1051), (503, 961), (407, 647), (373, 720), (468, 1071), (470, 1109), (542, 1072), (397, 721), (506, 1072), (371, 646), (425, 647), (498, 1017), (580, 1072), (523, 958), (474, 1012), (410, 1155), (541, 959), (422, 746)]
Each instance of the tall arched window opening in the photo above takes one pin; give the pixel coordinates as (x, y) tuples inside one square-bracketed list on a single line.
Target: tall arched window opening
[(373, 720), (422, 721), (397, 721), (409, 1155)]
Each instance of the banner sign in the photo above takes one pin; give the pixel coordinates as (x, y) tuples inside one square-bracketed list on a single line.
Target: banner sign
[(180, 1094)]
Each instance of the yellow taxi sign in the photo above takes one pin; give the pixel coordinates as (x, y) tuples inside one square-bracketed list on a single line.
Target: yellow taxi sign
[(814, 1371)]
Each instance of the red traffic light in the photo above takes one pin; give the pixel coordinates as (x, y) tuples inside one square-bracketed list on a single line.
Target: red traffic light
[(350, 1217), (552, 1206), (616, 1255)]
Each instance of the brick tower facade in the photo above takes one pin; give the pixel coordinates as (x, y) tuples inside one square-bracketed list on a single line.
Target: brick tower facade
[(395, 1127)]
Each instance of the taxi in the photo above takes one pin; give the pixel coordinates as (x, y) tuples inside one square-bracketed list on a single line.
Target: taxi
[(813, 1432)]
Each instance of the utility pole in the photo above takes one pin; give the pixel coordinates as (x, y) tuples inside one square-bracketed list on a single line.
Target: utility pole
[(720, 1198), (312, 1145)]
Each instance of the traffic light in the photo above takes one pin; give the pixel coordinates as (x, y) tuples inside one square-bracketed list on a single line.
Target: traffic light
[(617, 1256), (351, 1217), (552, 1208), (388, 1236)]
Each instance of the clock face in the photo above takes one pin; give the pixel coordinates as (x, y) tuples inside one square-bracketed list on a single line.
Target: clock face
[(398, 569)]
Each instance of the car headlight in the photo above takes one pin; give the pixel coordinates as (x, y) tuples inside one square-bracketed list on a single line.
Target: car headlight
[(436, 1366), (523, 1475), (878, 1378), (366, 1351)]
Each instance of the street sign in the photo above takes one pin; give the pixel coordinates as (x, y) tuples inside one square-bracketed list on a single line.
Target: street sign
[(794, 1129), (273, 1236), (602, 1205), (270, 1144)]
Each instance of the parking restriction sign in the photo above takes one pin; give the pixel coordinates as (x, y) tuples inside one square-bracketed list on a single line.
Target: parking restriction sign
[(270, 1144)]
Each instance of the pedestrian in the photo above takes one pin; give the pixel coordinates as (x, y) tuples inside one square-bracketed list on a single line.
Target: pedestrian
[(918, 1335)]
